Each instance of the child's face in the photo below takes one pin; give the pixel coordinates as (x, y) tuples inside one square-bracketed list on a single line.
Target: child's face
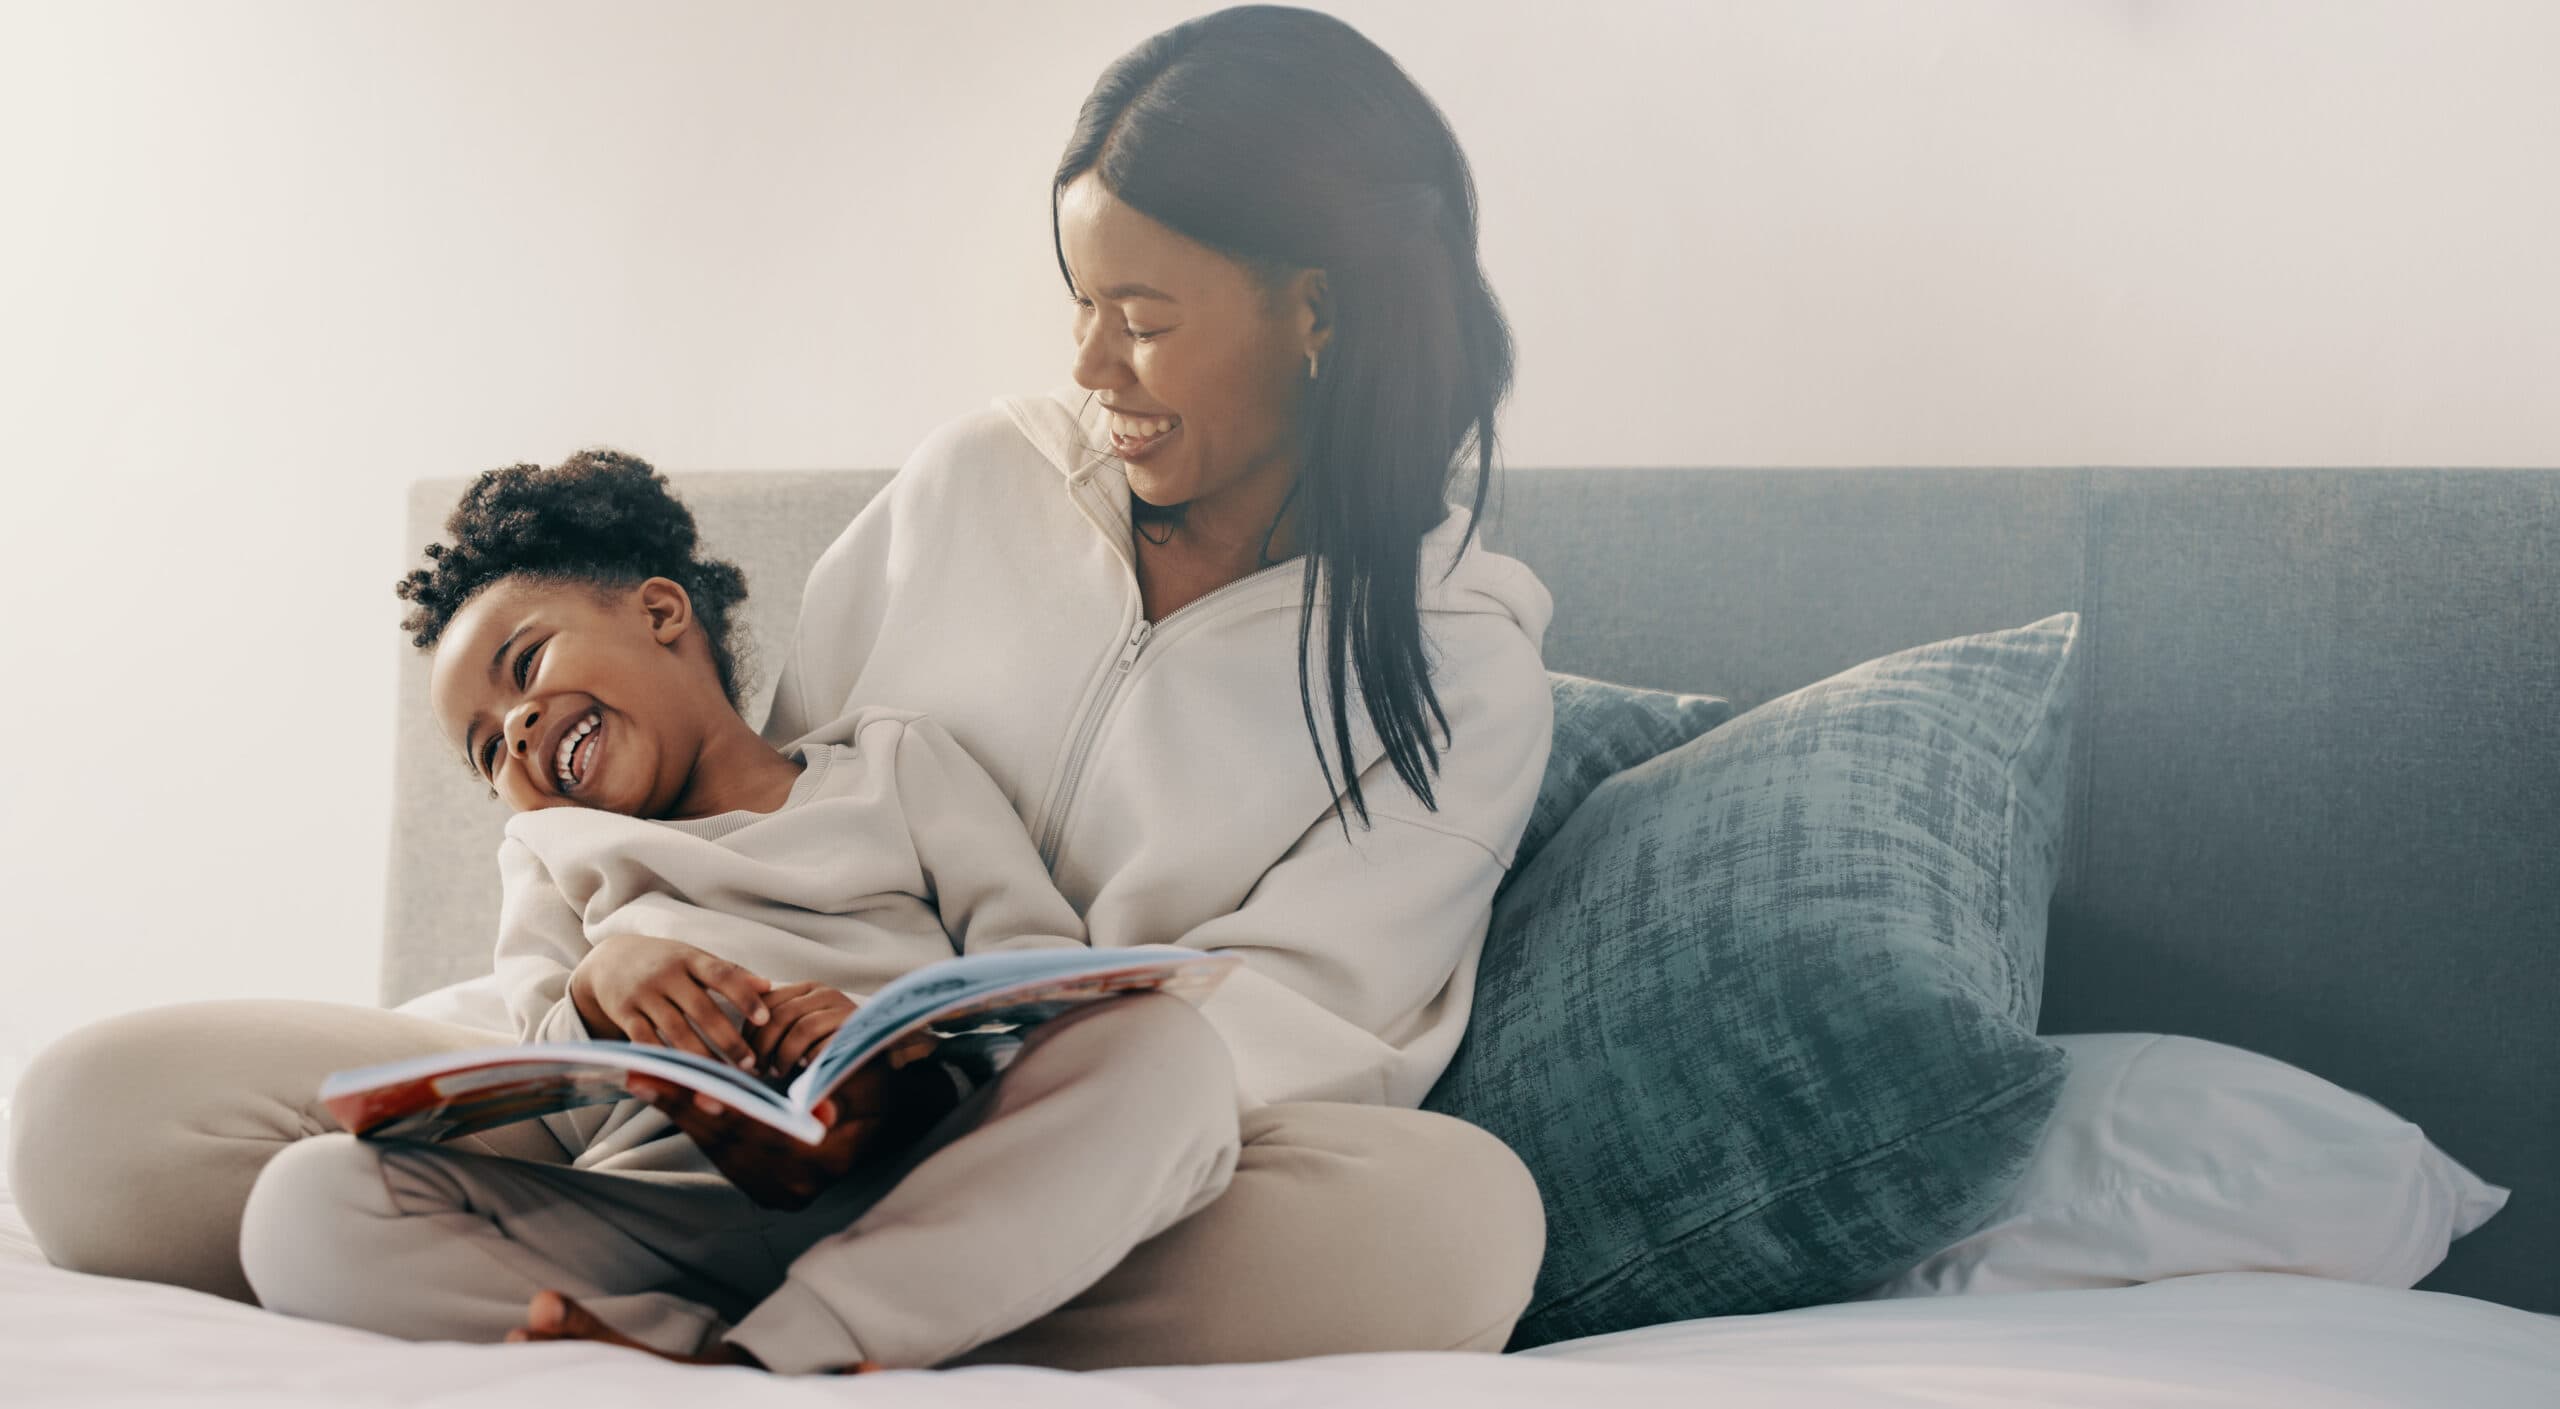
[(528, 667)]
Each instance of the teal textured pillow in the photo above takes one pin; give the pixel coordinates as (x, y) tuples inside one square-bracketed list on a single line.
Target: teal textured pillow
[(1600, 730), (1761, 1016)]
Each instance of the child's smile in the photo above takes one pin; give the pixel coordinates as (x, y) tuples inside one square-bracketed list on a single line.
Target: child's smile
[(573, 759)]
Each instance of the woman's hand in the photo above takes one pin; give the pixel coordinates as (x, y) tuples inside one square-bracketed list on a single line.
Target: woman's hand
[(803, 1017), (659, 992), (874, 1114)]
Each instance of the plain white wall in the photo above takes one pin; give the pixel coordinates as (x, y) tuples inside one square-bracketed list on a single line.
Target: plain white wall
[(264, 263)]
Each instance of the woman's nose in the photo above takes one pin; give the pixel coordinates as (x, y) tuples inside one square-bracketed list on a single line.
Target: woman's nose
[(1097, 364)]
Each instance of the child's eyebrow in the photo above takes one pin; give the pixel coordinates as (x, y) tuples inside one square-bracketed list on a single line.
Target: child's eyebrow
[(471, 732)]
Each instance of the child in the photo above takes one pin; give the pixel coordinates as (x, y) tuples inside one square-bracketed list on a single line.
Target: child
[(663, 856), (670, 877)]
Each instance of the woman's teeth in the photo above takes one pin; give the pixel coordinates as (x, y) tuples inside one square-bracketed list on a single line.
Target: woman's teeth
[(569, 749), (1133, 428)]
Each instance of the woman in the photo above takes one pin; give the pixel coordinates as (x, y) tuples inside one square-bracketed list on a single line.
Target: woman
[(1212, 626)]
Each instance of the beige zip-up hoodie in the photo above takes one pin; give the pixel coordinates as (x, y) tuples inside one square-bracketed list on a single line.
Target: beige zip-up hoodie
[(1164, 770)]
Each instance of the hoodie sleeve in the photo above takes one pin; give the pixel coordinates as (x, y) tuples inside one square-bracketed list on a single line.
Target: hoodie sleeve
[(1360, 955), (841, 609), (540, 939), (845, 602), (982, 873)]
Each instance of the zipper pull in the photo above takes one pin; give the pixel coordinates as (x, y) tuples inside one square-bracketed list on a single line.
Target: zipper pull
[(1137, 643)]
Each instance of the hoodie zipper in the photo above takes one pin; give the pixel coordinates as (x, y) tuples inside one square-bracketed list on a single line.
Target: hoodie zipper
[(1054, 834), (1084, 741)]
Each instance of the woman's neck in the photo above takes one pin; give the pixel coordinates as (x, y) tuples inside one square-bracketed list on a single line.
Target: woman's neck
[(1231, 534), (1189, 565)]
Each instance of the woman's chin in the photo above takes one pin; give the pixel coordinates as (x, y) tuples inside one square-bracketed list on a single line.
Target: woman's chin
[(1160, 486)]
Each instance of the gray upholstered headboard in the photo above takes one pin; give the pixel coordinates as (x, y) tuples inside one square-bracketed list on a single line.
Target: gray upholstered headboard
[(2316, 797)]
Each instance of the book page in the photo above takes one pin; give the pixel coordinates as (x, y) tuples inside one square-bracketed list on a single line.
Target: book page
[(1008, 989), (454, 1093)]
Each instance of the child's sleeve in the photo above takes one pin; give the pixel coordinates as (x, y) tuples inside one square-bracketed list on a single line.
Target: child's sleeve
[(981, 871), (540, 940)]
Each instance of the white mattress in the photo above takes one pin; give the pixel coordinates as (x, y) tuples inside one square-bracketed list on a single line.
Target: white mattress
[(2245, 1340)]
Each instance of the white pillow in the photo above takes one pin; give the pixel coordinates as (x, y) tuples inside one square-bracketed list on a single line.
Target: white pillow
[(2169, 1156)]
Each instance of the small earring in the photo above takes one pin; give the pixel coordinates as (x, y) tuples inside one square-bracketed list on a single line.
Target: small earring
[(1311, 366)]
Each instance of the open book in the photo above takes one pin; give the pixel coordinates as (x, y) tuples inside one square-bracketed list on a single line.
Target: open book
[(454, 1093)]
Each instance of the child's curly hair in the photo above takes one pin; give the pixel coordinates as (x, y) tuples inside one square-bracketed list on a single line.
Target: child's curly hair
[(600, 518)]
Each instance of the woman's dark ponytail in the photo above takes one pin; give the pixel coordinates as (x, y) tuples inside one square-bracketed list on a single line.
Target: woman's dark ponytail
[(1286, 140)]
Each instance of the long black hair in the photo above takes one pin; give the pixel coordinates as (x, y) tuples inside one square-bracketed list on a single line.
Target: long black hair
[(1285, 140)]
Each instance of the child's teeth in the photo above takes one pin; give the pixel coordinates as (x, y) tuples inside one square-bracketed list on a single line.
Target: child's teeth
[(569, 749)]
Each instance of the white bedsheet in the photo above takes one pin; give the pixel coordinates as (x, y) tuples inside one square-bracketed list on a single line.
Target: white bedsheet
[(2243, 1340)]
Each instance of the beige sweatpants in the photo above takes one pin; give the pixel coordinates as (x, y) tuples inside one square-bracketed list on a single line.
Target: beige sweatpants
[(1102, 1204)]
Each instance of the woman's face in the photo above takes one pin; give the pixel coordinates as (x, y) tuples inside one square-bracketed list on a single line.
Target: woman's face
[(1200, 365)]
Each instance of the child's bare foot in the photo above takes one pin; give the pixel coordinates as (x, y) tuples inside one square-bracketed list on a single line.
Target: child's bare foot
[(553, 1316)]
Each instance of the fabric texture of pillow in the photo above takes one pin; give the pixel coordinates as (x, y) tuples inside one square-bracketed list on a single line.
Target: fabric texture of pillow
[(1603, 729), (2171, 1156), (1761, 1016)]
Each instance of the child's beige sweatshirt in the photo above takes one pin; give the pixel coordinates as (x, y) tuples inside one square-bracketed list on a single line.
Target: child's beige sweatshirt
[(892, 850)]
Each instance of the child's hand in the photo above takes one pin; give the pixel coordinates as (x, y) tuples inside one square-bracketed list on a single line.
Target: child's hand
[(878, 1112), (659, 992), (803, 1017)]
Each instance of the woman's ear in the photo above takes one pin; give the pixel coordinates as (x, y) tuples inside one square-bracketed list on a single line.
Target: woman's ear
[(1311, 304), (669, 608)]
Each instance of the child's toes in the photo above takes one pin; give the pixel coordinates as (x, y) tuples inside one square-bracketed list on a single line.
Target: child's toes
[(576, 1320), (578, 1323)]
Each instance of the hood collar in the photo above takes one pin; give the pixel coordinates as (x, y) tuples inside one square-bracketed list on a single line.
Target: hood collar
[(1066, 426)]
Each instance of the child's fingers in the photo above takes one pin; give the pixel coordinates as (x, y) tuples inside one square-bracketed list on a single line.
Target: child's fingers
[(805, 1037), (767, 1036), (782, 993), (788, 1048), (673, 1030), (715, 1026), (760, 1040), (787, 1012), (744, 988), (644, 1030), (678, 1104), (690, 1111)]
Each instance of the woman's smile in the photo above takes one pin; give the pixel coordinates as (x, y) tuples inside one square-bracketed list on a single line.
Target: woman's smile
[(1134, 440)]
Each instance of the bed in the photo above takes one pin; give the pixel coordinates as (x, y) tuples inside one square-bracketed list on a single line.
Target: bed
[(2238, 1339)]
